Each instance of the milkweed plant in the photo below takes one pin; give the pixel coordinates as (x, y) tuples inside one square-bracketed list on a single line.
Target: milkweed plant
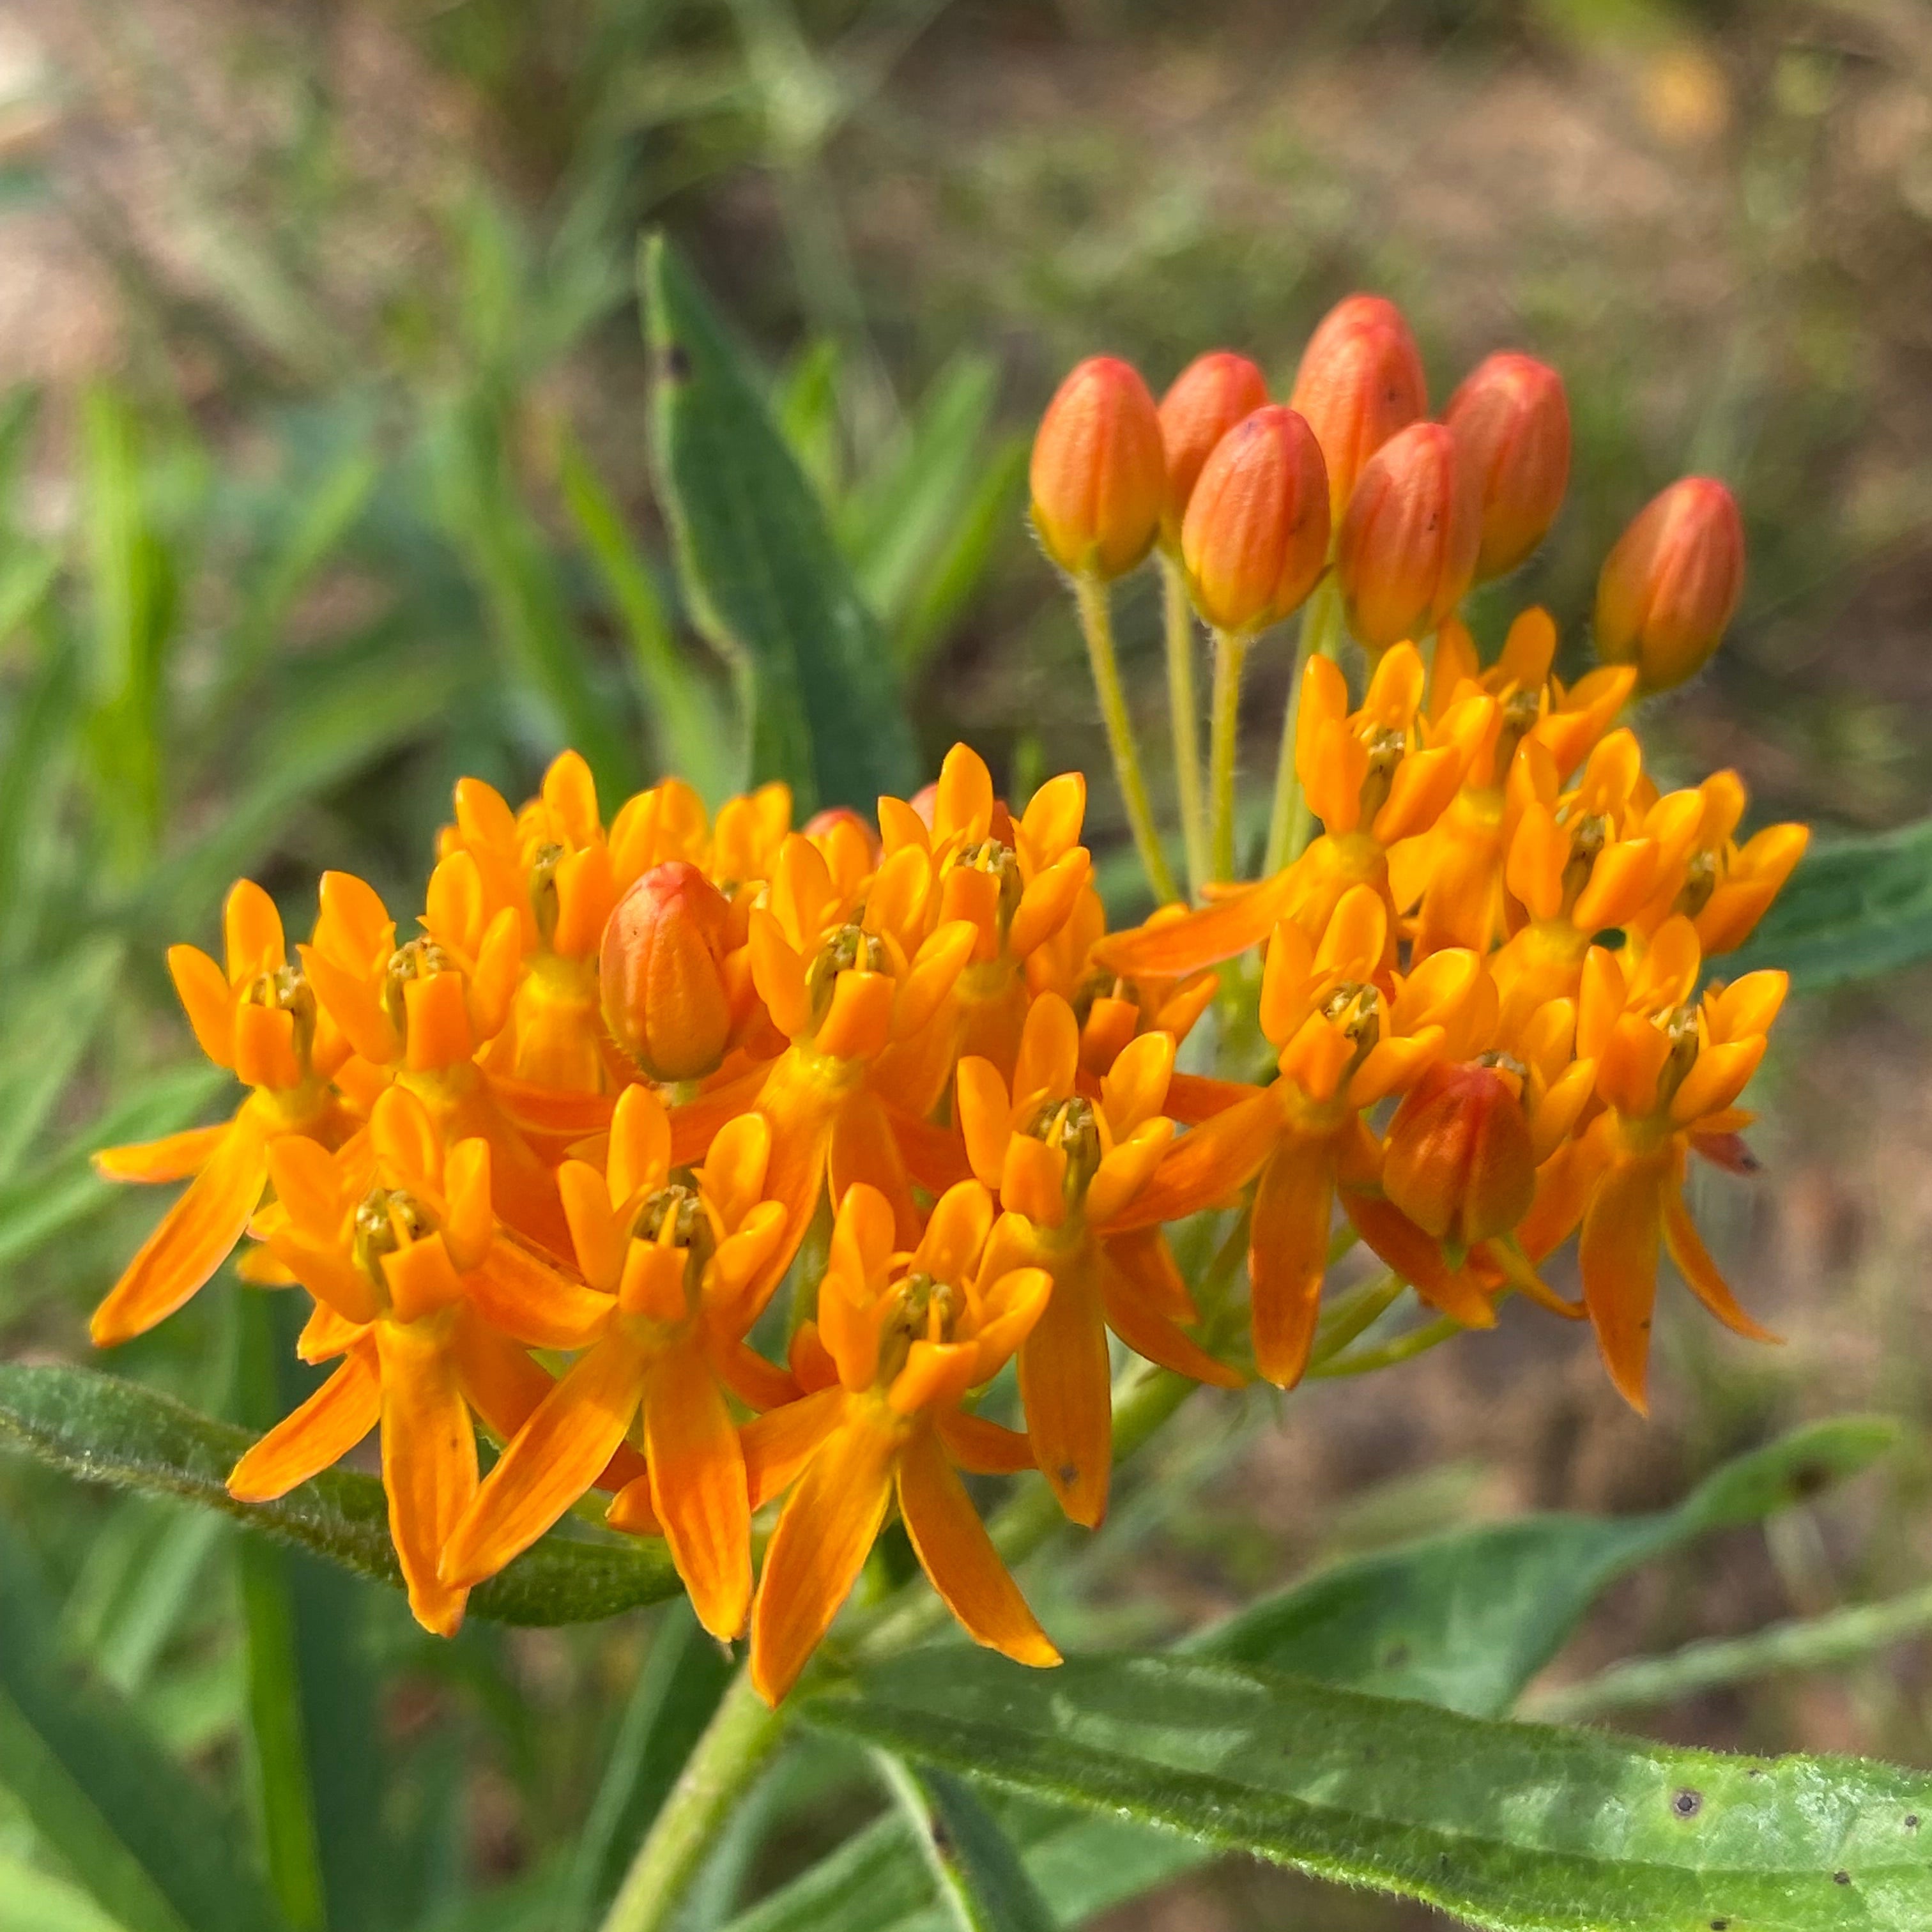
[(752, 1191)]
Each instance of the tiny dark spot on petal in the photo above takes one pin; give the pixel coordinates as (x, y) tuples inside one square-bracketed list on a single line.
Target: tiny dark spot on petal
[(1841, 1878), (1069, 1472), (1687, 1803)]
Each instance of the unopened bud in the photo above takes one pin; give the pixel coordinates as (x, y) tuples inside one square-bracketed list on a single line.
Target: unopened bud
[(1208, 399), (1458, 1162), (1672, 582), (1255, 537), (1511, 421), (661, 977), (1359, 381), (1099, 476), (1407, 550)]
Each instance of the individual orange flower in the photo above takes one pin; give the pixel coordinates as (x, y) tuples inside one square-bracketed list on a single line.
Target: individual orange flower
[(1018, 880), (1672, 582), (1066, 1169), (1724, 889), (1374, 776), (1669, 1077), (390, 1235), (258, 1018), (842, 983), (899, 1342), (417, 1013), (672, 1256), (662, 976), (1452, 875)]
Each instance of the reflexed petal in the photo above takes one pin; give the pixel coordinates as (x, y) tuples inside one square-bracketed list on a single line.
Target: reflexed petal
[(1207, 1164), (173, 1157), (779, 1443), (1701, 1274), (986, 1447), (429, 1464), (1149, 1332), (823, 1536), (958, 1558), (1288, 1256), (1167, 948), (1618, 1252), (194, 1238), (516, 1291), (318, 1434), (698, 1490), (863, 1152), (551, 1461), (1066, 1389)]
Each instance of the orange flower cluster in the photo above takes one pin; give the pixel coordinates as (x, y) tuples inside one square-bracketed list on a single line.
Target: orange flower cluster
[(542, 1159)]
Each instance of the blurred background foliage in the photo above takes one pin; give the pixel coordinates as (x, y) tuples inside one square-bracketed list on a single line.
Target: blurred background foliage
[(324, 477)]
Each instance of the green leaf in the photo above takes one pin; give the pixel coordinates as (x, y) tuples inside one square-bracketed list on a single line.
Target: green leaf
[(762, 576), (684, 1675), (1464, 1619), (974, 1868), (1517, 1827), (687, 725), (50, 1024), (105, 1430), (1855, 908), (133, 1828), (37, 1902)]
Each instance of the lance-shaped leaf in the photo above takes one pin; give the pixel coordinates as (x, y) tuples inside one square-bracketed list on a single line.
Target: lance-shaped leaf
[(106, 1430), (762, 576), (1522, 1828)]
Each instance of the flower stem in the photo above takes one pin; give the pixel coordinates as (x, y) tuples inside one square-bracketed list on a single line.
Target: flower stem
[(1290, 821), (1181, 704), (1096, 622), (1224, 730), (740, 1736)]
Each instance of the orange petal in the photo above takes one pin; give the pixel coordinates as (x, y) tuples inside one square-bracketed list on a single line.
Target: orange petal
[(1617, 1252), (1207, 1164), (1144, 1258), (325, 1334), (696, 1124), (986, 1447), (429, 1463), (318, 1434), (864, 1152), (551, 1461), (194, 1238), (632, 1511), (779, 1443), (958, 1558), (1702, 1275), (1148, 1332), (518, 1292), (1065, 1388), (1417, 1259), (1167, 949), (1288, 1256), (173, 1157), (823, 1536), (698, 1490)]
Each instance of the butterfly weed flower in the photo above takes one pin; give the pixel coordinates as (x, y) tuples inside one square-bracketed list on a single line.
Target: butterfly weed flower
[(899, 1341), (255, 1015)]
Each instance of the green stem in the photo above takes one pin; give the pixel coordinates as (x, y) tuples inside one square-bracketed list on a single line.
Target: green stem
[(1096, 622), (1181, 704), (1290, 821), (1358, 1310), (740, 1736), (1404, 1347), (1224, 731)]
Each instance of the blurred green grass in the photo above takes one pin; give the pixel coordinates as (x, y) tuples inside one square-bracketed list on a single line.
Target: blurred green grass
[(352, 498)]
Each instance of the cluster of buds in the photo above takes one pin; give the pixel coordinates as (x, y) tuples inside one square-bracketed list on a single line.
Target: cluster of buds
[(542, 1164)]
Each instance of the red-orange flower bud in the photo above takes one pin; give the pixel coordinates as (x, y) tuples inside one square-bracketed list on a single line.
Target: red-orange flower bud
[(662, 977), (1099, 477), (1256, 537), (1671, 583), (1359, 381), (1459, 1162), (1511, 421), (1207, 398), (1408, 547)]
